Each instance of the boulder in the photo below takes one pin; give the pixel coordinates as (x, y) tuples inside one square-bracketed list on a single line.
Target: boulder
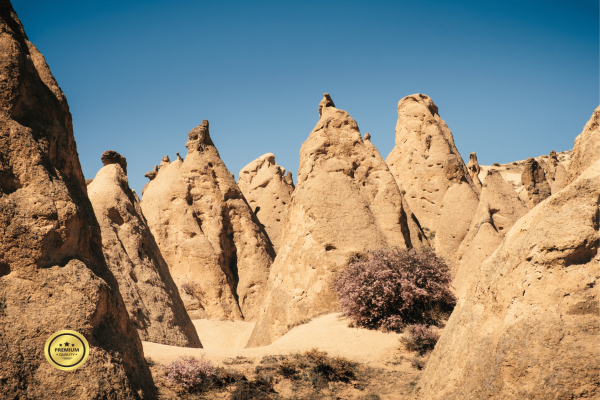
[(150, 295), (535, 183), (52, 272), (529, 325), (499, 208), (346, 202), (585, 151), (426, 163), (268, 192), (218, 254), (474, 169)]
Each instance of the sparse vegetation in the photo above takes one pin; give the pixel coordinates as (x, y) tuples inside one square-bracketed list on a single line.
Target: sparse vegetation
[(419, 338), (190, 288), (390, 289), (190, 373)]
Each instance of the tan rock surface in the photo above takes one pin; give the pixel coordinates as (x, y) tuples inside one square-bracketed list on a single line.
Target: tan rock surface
[(131, 253), (268, 191), (217, 253), (535, 183), (587, 147), (499, 208), (426, 163), (52, 271), (556, 174), (474, 170), (346, 202), (529, 326)]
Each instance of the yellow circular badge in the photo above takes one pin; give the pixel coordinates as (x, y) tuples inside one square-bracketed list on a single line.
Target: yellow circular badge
[(67, 350)]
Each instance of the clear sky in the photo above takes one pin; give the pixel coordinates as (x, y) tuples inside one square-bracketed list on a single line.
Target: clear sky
[(512, 78)]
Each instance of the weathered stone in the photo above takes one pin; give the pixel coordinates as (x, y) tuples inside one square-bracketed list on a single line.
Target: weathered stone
[(268, 193), (216, 250), (151, 175), (52, 271), (534, 180), (426, 163), (346, 202), (112, 157), (585, 151), (499, 208), (164, 162), (179, 157), (529, 325), (474, 169), (556, 174), (131, 253)]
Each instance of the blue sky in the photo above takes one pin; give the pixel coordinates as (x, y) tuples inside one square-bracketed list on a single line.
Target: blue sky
[(512, 79)]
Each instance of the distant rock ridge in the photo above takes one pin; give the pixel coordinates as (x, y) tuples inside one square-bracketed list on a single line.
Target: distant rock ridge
[(346, 202), (498, 210), (218, 254), (268, 191), (534, 180), (426, 163), (151, 297), (52, 271)]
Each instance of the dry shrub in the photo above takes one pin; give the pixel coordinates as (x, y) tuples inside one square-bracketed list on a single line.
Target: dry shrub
[(190, 287), (327, 369), (418, 362), (258, 389), (190, 373), (393, 288), (419, 338)]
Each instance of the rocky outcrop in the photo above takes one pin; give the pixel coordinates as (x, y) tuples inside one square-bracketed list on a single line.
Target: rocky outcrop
[(499, 208), (529, 325), (426, 163), (268, 192), (52, 271), (216, 250), (535, 183), (474, 169), (150, 295), (556, 173), (346, 202), (585, 151)]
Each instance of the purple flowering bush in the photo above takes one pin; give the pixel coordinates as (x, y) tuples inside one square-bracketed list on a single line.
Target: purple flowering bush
[(190, 373), (390, 289)]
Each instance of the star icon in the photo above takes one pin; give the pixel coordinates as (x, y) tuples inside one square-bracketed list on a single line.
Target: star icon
[(67, 344)]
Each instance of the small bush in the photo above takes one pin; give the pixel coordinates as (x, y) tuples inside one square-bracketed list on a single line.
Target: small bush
[(419, 338), (190, 373), (393, 288), (330, 369), (418, 363), (257, 389), (189, 288)]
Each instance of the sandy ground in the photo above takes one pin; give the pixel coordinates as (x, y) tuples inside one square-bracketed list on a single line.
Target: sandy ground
[(224, 340)]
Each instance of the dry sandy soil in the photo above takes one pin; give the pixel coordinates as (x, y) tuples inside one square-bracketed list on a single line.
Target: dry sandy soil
[(386, 366)]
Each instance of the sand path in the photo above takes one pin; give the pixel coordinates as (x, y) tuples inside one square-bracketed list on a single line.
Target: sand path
[(330, 333)]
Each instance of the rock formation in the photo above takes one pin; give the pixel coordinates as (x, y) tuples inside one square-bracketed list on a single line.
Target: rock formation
[(52, 271), (585, 151), (529, 326), (499, 208), (426, 163), (474, 169), (534, 180), (268, 192), (346, 202), (151, 175), (216, 250), (556, 173), (145, 283)]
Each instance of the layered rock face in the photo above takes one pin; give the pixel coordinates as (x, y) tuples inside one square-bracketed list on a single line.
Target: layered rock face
[(216, 250), (529, 326), (346, 202), (585, 151), (426, 163), (52, 271), (474, 170), (499, 208), (535, 183), (268, 191), (131, 253)]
